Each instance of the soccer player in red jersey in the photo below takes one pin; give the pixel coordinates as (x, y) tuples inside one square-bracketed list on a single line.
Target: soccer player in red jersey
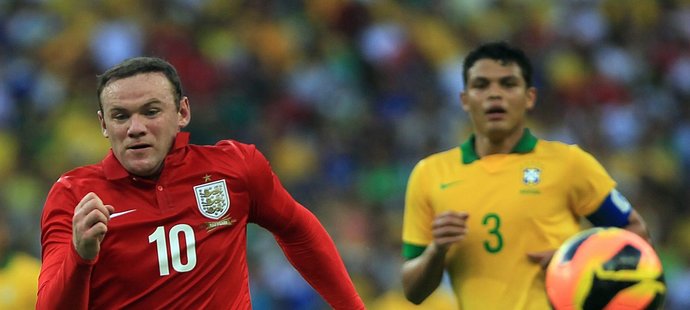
[(161, 223)]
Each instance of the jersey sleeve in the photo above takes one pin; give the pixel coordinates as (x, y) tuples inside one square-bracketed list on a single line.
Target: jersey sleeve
[(418, 214), (591, 183), (64, 278), (303, 239)]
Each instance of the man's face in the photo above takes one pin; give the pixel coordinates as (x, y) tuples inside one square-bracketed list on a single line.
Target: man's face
[(140, 119), (496, 98)]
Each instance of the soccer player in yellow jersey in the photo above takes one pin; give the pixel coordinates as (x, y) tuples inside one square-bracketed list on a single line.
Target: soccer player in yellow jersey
[(492, 211)]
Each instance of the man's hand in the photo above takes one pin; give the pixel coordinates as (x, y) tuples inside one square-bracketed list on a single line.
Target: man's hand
[(542, 258), (89, 225), (448, 228)]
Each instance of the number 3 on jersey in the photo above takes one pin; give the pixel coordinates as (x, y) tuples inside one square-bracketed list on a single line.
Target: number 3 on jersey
[(159, 237), (493, 222)]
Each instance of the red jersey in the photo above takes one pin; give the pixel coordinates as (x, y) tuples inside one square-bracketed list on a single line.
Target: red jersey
[(180, 241)]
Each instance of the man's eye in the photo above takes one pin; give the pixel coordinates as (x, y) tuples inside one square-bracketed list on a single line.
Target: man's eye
[(510, 83), (119, 116), (480, 85), (151, 112)]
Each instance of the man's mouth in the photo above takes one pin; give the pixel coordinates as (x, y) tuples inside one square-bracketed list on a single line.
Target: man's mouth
[(138, 146), (495, 112)]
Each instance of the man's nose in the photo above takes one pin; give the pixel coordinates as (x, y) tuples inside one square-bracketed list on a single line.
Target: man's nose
[(495, 90), (137, 126)]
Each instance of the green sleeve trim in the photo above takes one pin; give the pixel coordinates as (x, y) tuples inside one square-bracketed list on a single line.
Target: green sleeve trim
[(410, 251)]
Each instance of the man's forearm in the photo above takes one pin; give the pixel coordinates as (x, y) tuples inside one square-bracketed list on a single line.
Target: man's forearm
[(637, 225), (64, 281), (423, 274), (312, 252)]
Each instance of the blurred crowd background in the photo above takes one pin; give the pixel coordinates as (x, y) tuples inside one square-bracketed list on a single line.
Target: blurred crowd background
[(344, 97)]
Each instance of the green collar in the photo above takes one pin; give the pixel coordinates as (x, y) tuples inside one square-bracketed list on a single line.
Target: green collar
[(525, 145)]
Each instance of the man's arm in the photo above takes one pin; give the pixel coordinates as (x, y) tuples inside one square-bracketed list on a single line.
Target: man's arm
[(299, 233), (68, 258), (64, 279), (311, 251), (616, 211), (613, 212), (422, 275), (637, 225)]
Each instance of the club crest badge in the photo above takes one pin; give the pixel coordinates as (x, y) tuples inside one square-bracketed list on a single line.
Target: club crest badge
[(212, 199)]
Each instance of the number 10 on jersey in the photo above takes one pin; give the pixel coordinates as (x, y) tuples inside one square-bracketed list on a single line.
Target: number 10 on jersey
[(173, 242)]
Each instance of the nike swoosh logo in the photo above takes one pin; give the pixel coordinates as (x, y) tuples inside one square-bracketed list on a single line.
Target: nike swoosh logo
[(116, 214), (449, 184)]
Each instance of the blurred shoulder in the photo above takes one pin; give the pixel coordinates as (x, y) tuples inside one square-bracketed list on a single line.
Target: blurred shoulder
[(81, 174), (558, 147), (443, 157), (229, 147)]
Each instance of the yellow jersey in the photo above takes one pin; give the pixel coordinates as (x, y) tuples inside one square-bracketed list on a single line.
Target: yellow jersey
[(19, 281), (530, 200)]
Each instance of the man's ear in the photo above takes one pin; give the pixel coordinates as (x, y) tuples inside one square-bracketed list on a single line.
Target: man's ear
[(463, 103), (184, 114), (101, 120), (531, 97)]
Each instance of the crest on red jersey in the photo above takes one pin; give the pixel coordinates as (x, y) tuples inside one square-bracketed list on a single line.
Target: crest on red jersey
[(212, 199)]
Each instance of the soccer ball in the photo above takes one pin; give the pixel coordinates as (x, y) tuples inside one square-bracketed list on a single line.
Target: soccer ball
[(605, 268)]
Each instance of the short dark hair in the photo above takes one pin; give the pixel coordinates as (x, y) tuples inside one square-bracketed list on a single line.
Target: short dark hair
[(502, 52), (138, 65)]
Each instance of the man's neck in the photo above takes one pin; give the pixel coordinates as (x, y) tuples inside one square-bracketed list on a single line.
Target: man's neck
[(485, 145)]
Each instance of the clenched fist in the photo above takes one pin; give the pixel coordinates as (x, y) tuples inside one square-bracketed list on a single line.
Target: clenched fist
[(89, 225), (449, 228)]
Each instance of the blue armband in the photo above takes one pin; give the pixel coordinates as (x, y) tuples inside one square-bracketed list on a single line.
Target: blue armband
[(614, 211)]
